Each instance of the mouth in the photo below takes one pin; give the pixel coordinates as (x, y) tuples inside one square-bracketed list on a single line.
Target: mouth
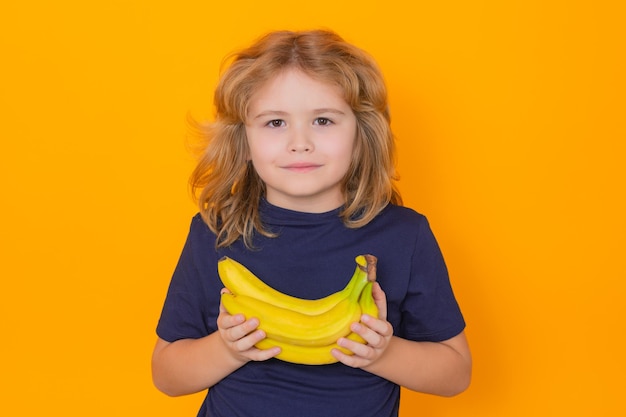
[(301, 167)]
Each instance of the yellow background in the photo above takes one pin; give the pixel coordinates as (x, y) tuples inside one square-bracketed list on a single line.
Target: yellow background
[(510, 118)]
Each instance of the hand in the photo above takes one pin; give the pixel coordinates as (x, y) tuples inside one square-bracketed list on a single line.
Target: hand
[(240, 336), (376, 332)]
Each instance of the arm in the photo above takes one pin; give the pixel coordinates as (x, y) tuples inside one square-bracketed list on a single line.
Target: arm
[(440, 368), (187, 366)]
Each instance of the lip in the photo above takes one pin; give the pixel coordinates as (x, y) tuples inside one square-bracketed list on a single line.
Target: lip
[(301, 167)]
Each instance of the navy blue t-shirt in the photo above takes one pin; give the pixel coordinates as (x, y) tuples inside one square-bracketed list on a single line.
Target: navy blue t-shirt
[(313, 256)]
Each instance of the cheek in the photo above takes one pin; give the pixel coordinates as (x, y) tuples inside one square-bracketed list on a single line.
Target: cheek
[(257, 147), (263, 155), (351, 153), (260, 152), (348, 146)]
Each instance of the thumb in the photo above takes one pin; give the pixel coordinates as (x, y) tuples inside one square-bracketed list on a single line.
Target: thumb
[(380, 299)]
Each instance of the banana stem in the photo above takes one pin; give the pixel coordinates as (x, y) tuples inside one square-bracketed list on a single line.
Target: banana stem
[(371, 267)]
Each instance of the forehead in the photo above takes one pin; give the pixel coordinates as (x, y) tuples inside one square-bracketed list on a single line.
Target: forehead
[(293, 86)]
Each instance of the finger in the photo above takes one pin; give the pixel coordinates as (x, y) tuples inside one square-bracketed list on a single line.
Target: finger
[(248, 341), (224, 291), (225, 320), (245, 329), (247, 346), (371, 337), (343, 357), (265, 354), (223, 309), (356, 359), (378, 326), (380, 299)]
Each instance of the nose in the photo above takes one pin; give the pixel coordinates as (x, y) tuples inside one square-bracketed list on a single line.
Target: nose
[(299, 141)]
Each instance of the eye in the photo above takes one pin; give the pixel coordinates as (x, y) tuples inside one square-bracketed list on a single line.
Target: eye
[(276, 123), (323, 121)]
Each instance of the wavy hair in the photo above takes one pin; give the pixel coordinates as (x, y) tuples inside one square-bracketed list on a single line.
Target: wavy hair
[(225, 185)]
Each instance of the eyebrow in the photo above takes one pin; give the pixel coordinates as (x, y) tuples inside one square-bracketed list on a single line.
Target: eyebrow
[(284, 113), (270, 113)]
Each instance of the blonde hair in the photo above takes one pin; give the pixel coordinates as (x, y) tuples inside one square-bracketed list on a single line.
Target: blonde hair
[(226, 186)]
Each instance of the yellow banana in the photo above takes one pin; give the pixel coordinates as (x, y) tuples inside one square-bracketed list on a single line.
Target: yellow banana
[(241, 281), (306, 355), (306, 330), (368, 306), (295, 327), (320, 355), (366, 301)]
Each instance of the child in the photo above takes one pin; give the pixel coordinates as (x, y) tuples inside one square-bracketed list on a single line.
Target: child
[(295, 182)]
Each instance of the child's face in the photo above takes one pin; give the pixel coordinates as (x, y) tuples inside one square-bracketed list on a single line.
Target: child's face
[(301, 135)]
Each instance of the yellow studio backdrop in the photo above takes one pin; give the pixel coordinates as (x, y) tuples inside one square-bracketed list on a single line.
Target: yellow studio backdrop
[(510, 124)]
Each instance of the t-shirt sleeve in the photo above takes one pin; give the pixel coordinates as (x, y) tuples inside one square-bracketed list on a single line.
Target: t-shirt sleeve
[(430, 311), (192, 301)]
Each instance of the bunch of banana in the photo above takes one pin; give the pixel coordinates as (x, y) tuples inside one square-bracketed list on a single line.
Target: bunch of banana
[(305, 330)]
